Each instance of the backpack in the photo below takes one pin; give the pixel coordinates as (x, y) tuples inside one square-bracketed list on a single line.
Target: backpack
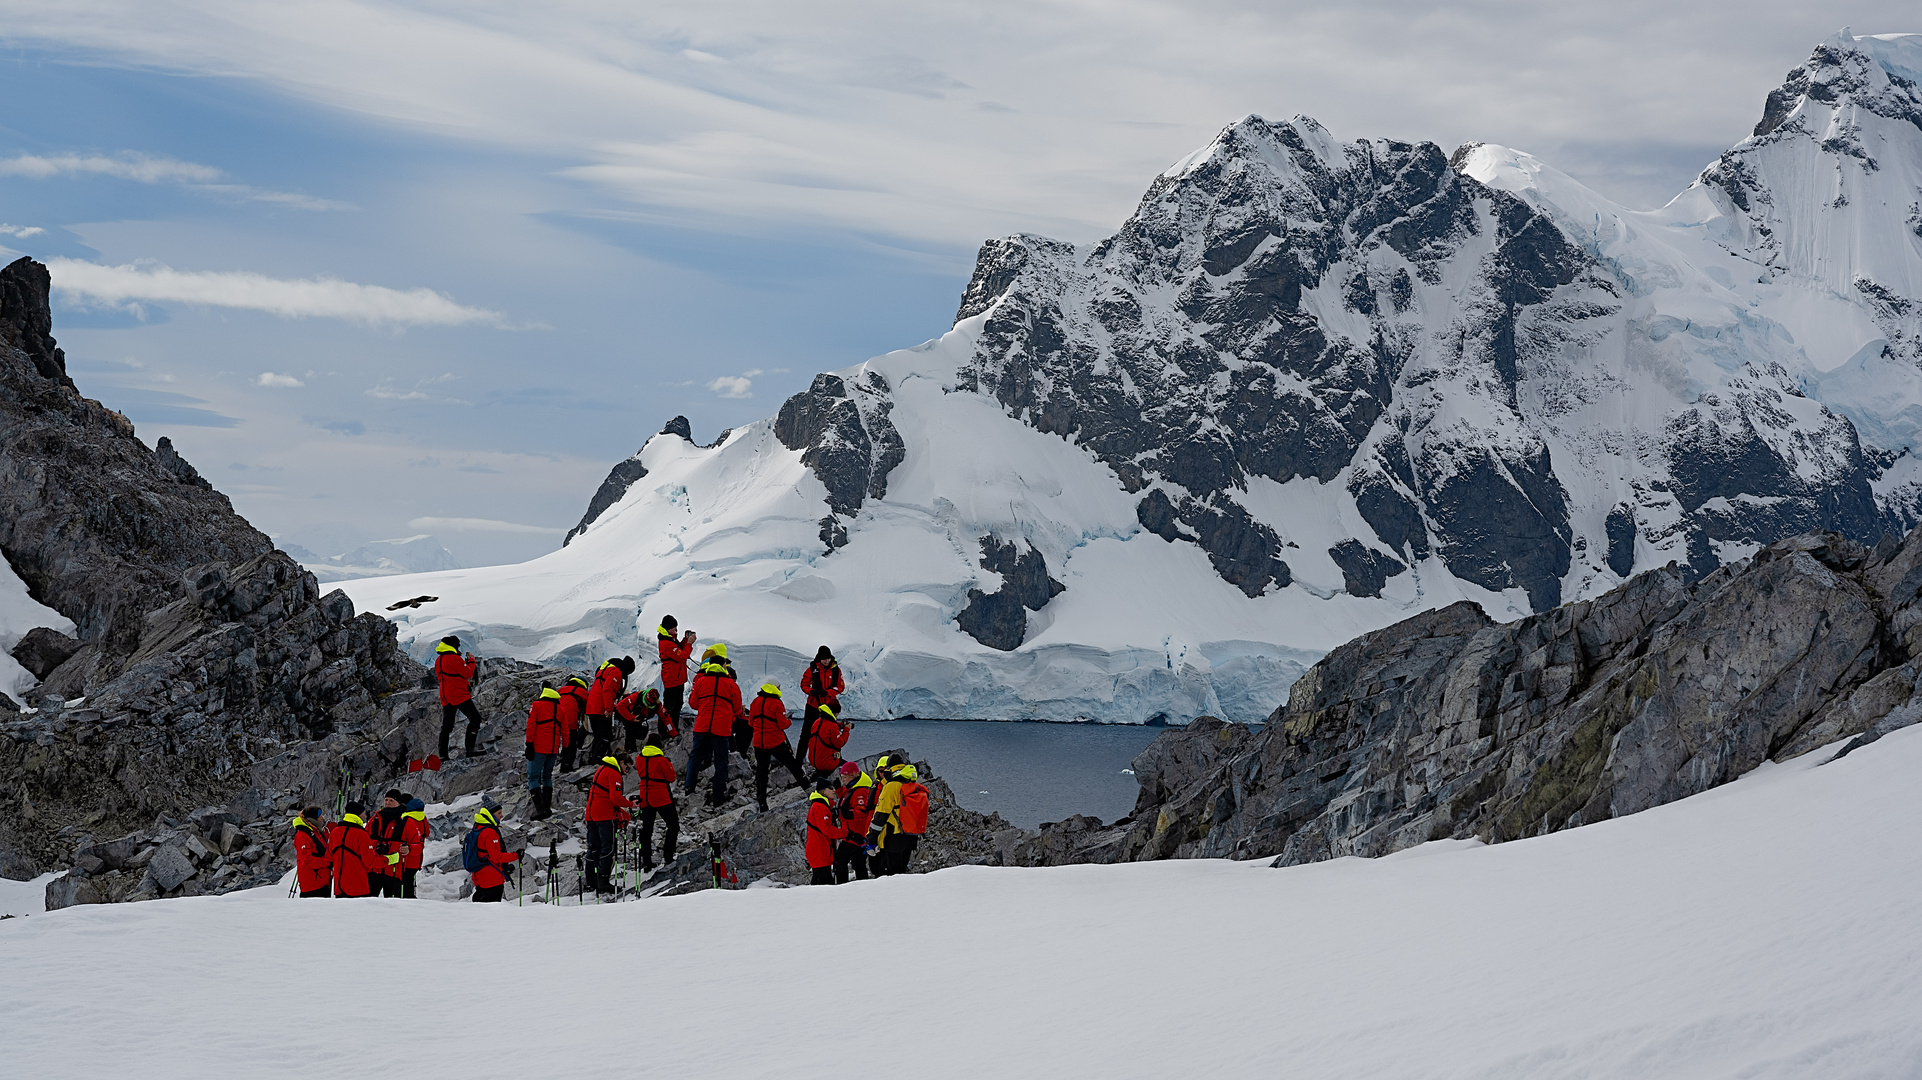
[(470, 852), (913, 815)]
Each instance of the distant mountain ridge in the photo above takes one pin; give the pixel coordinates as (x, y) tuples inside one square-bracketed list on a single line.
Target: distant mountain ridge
[(1310, 388)]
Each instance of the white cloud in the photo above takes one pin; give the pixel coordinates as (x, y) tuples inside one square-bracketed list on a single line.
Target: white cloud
[(156, 169), (461, 524), (268, 378), (733, 386), (293, 299), (22, 231)]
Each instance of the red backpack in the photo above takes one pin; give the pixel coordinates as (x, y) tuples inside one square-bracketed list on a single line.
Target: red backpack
[(913, 816)]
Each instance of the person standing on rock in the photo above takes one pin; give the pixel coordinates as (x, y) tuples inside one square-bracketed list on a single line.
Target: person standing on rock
[(490, 877), (606, 808), (900, 817), (455, 674), (769, 719), (857, 815), (354, 856), (824, 831), (674, 654), (825, 736), (313, 859), (388, 830), (636, 709), (414, 832), (610, 682), (656, 796), (575, 690), (717, 707), (823, 685), (548, 720)]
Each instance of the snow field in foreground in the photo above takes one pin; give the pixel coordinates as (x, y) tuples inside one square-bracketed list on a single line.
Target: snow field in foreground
[(1769, 928)]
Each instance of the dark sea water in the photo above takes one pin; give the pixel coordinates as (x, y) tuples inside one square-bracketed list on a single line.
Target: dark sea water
[(1028, 772)]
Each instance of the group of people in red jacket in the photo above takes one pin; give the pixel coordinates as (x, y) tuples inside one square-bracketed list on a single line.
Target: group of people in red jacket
[(358, 855)]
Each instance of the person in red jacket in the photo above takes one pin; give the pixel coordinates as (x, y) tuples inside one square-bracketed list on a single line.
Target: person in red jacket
[(606, 807), (414, 834), (490, 881), (313, 860), (354, 856), (610, 682), (454, 673), (575, 690), (636, 709), (674, 654), (828, 737), (857, 813), (388, 828), (768, 717), (548, 720), (822, 683), (824, 831), (656, 796), (717, 707)]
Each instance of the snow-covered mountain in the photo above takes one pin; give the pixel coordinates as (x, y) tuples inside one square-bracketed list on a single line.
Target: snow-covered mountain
[(376, 558), (1308, 389)]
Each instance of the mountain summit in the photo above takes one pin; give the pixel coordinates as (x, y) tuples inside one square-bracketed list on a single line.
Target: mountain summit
[(1310, 388)]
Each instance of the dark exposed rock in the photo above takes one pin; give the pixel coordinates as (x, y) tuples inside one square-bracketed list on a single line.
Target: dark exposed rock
[(1450, 726), (1364, 569), (679, 426), (847, 439), (201, 648), (171, 461), (999, 620), (612, 489), (41, 651), (1621, 540), (996, 620)]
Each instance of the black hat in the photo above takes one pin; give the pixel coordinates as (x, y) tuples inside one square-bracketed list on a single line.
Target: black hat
[(626, 664), (452, 640), (668, 621), (399, 796), (354, 808), (824, 653)]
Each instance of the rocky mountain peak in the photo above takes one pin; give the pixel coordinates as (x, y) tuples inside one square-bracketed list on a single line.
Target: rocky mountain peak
[(26, 317)]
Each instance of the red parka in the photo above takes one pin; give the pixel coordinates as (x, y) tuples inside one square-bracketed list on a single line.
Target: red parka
[(573, 707), (769, 717), (631, 709), (453, 673), (825, 741), (354, 856), (657, 777), (548, 721), (716, 698), (493, 855), (857, 806), (824, 828), (389, 830), (313, 860), (414, 831), (604, 799), (674, 656), (608, 684), (823, 683)]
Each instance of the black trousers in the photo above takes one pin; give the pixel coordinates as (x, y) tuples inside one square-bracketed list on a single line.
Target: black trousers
[(600, 853), (899, 850), (324, 890), (383, 885), (670, 829), (568, 748), (407, 883), (671, 701), (823, 875), (705, 747), (603, 729), (636, 732), (850, 856), (765, 757), (489, 895), (447, 713)]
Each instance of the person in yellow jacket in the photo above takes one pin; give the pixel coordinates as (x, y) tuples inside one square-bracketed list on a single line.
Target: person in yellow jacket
[(883, 827)]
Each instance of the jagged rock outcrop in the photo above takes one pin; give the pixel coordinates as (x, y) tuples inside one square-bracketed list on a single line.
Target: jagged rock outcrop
[(846, 437), (999, 619), (1448, 725), (200, 648)]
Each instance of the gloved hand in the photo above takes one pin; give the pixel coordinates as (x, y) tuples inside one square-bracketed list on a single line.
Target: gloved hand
[(530, 751), (394, 858), (871, 851)]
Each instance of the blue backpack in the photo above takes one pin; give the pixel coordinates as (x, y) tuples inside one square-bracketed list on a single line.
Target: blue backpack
[(470, 853)]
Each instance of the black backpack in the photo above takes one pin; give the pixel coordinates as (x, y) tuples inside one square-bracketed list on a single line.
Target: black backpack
[(471, 859)]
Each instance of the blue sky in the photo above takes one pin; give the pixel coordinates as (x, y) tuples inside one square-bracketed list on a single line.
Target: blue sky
[(382, 269)]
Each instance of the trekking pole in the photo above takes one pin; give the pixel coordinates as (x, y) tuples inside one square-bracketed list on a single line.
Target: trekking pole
[(551, 892), (580, 879)]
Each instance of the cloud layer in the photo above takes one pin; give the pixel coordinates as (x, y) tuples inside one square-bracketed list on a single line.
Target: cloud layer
[(292, 299), (464, 524)]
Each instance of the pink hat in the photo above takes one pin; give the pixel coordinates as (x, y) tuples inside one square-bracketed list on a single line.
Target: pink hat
[(849, 768)]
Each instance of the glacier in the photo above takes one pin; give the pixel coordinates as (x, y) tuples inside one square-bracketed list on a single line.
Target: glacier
[(1310, 388)]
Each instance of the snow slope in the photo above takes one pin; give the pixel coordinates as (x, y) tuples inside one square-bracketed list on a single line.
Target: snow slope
[(19, 613), (1771, 928), (1309, 389)]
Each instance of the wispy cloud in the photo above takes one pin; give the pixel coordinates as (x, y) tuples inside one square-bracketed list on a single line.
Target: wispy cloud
[(157, 169), (387, 391), (461, 524), (268, 378), (21, 231), (300, 298), (735, 386)]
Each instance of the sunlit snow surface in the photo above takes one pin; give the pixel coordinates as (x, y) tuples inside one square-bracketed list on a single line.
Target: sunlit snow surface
[(1771, 928), (20, 613)]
